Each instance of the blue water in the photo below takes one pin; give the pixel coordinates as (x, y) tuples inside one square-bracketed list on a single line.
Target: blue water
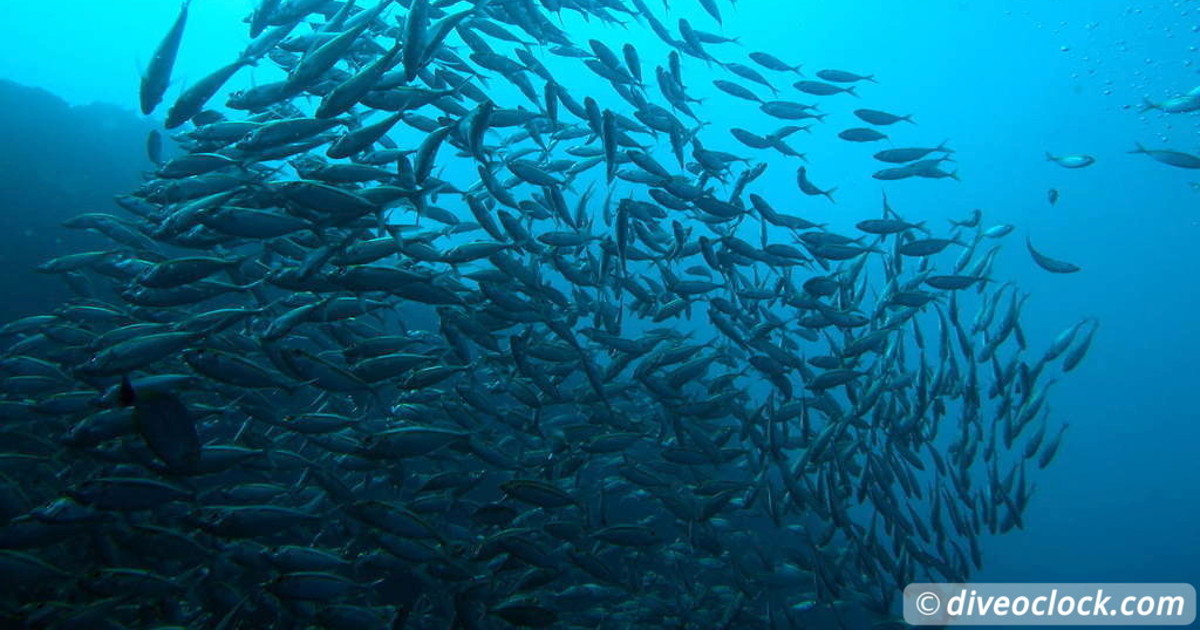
[(1004, 82)]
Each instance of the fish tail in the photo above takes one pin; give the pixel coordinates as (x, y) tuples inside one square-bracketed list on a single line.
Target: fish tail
[(852, 91), (1147, 105), (1139, 148)]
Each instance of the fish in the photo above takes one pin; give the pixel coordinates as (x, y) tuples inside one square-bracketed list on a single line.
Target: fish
[(770, 62), (1182, 104), (166, 426), (1071, 161), (900, 156), (157, 77), (1050, 264), (808, 188), (862, 134), (431, 333), (1177, 159), (192, 100), (842, 76), (154, 147), (881, 118), (734, 89), (819, 88)]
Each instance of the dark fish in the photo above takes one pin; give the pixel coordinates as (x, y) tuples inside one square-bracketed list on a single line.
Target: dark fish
[(876, 117), (862, 134), (733, 89), (772, 63), (925, 247), (900, 156), (823, 89), (154, 147), (166, 426), (788, 110), (808, 187), (841, 76), (157, 77), (193, 100), (1050, 264), (1177, 159)]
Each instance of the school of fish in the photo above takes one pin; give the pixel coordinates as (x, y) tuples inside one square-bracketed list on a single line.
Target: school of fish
[(416, 337)]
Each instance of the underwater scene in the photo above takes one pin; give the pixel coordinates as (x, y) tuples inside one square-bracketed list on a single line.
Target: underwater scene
[(603, 314)]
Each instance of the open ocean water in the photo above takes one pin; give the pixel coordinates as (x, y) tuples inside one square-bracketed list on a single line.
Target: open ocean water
[(1002, 84)]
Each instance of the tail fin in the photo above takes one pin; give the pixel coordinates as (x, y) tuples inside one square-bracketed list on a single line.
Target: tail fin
[(1139, 149), (1147, 105)]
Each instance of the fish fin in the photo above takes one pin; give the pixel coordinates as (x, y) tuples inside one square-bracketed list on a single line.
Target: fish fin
[(126, 397)]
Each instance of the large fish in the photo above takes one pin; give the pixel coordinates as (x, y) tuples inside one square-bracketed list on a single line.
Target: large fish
[(166, 426), (157, 77)]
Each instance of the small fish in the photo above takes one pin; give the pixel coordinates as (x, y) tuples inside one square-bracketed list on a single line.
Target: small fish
[(876, 117), (808, 188), (900, 156), (772, 63), (862, 134), (1052, 196), (1050, 264), (735, 89), (154, 147), (1071, 161), (841, 76), (818, 88)]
